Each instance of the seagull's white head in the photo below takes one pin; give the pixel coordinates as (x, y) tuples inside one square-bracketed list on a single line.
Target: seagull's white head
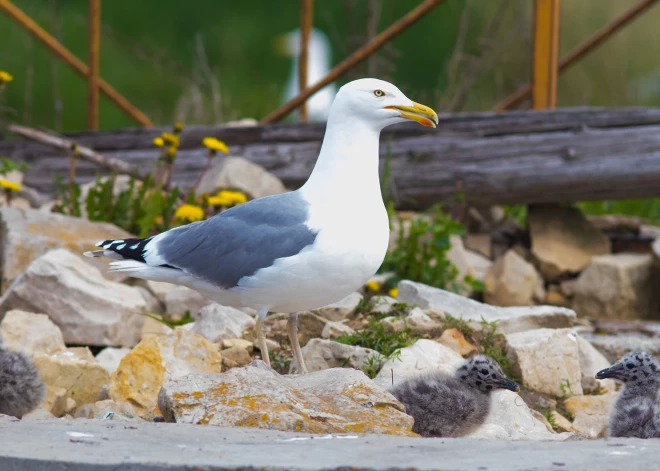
[(381, 104)]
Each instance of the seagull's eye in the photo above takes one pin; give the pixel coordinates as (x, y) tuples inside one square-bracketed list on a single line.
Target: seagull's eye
[(379, 93)]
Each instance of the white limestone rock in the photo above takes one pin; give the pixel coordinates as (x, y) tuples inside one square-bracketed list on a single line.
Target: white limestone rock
[(547, 360), (509, 319), (322, 354), (32, 334), (621, 286), (421, 357), (88, 309), (238, 173), (216, 323)]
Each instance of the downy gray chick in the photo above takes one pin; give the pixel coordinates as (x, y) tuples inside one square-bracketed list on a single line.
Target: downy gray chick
[(636, 411), (21, 389), (452, 406)]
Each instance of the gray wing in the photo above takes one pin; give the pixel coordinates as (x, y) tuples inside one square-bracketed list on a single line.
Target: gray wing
[(239, 241)]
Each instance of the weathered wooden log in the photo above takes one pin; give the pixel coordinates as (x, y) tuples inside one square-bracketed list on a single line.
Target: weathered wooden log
[(66, 145), (521, 157)]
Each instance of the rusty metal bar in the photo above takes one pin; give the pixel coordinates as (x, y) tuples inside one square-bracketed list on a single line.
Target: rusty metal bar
[(354, 59), (581, 50), (93, 75), (546, 45), (76, 64), (306, 18)]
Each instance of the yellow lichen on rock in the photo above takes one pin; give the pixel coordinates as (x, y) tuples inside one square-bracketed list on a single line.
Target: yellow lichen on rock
[(159, 358), (338, 400), (82, 379)]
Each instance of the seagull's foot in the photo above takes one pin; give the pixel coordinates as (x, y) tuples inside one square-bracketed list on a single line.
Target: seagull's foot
[(292, 328)]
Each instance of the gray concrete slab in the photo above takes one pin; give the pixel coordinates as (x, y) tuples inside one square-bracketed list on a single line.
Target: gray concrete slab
[(86, 445)]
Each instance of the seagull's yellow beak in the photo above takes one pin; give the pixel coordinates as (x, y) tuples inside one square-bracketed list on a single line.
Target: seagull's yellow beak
[(419, 113)]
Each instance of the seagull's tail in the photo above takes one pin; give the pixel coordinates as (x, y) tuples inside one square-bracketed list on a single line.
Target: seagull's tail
[(121, 249), (129, 257)]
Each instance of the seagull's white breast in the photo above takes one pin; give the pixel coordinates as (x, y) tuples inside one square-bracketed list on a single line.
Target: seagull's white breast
[(349, 247)]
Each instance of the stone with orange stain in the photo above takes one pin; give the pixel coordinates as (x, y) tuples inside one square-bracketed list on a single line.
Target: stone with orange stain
[(88, 309), (82, 379), (158, 359), (454, 339), (30, 233), (338, 400)]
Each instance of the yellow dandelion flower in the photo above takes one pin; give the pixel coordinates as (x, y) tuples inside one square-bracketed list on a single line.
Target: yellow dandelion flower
[(159, 142), (9, 185), (373, 286), (170, 139), (215, 145), (178, 127), (171, 151), (393, 292), (227, 198), (189, 212), (5, 77)]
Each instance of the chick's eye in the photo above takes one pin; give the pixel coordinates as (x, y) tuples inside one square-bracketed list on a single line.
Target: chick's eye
[(379, 93)]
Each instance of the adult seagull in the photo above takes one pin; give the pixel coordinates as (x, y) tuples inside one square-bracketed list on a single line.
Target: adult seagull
[(294, 251)]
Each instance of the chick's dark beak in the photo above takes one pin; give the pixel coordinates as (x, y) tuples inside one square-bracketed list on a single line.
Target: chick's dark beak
[(606, 373), (511, 385)]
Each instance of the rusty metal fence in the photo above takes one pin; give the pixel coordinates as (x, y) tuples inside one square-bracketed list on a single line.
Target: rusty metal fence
[(546, 66)]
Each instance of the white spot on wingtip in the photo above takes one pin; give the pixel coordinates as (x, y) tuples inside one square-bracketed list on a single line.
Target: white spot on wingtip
[(120, 247), (133, 247)]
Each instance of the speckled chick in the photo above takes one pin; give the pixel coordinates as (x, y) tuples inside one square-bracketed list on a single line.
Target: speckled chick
[(636, 411), (21, 389), (452, 406)]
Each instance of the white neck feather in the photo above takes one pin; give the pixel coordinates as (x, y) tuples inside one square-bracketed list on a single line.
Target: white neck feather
[(347, 167)]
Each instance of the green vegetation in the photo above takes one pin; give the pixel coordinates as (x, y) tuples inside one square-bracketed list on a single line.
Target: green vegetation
[(365, 305), (648, 209), (420, 253), (372, 365), (172, 323), (148, 206), (280, 362), (8, 165), (399, 310), (566, 390), (547, 413), (645, 208), (377, 336), (140, 209), (493, 345)]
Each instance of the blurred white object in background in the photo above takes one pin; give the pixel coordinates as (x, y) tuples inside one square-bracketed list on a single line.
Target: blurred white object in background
[(318, 65)]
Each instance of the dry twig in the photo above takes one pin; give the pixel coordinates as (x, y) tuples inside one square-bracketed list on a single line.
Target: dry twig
[(86, 153)]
